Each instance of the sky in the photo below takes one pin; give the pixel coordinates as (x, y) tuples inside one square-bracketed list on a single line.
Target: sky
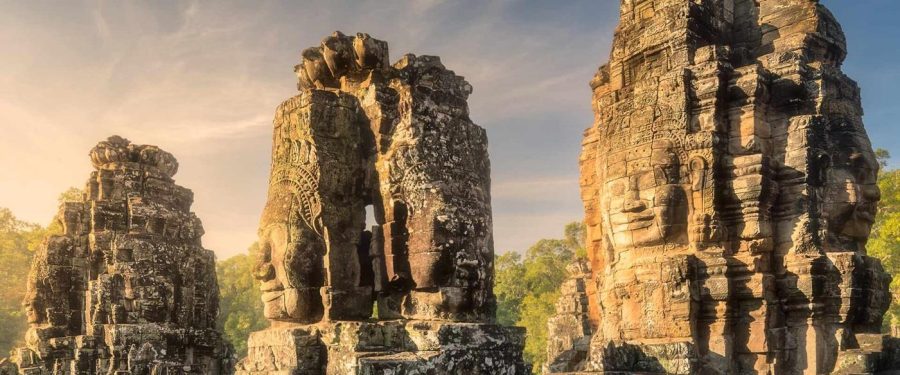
[(201, 79)]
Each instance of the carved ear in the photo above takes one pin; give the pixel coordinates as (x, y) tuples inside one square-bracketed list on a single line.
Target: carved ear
[(698, 168)]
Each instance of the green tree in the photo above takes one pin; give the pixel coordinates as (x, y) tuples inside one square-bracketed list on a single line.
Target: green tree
[(884, 242), (240, 306), (16, 237), (18, 242), (882, 155), (527, 287), (575, 236), (510, 292)]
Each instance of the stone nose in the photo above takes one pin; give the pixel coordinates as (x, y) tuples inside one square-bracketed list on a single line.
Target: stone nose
[(871, 193), (264, 271)]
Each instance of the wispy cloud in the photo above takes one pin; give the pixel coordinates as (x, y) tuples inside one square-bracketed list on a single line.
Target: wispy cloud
[(202, 79)]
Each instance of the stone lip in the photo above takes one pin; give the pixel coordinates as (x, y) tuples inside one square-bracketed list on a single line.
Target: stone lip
[(119, 153)]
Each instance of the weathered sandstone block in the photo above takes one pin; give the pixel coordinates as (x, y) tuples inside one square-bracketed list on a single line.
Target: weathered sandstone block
[(729, 190), (127, 288), (397, 138)]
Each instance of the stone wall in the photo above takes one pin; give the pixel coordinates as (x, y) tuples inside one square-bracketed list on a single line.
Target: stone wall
[(729, 190)]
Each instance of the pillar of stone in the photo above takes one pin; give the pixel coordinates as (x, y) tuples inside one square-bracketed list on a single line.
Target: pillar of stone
[(569, 331), (412, 291), (127, 288), (729, 189)]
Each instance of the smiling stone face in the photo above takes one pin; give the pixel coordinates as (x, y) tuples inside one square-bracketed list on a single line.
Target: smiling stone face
[(34, 307), (851, 191), (642, 201), (290, 274)]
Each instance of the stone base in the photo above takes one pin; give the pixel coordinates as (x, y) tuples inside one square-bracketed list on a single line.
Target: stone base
[(676, 358), (374, 348), (876, 355), (127, 349)]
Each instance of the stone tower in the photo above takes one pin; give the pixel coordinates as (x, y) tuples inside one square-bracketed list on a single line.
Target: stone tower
[(127, 288), (397, 138), (729, 189)]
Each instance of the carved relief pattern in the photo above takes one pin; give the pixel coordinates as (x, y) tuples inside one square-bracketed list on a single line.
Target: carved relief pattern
[(302, 186), (399, 138), (729, 189), (127, 287), (419, 161)]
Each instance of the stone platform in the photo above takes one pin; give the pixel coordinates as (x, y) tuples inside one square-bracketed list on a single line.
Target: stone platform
[(386, 347), (876, 354)]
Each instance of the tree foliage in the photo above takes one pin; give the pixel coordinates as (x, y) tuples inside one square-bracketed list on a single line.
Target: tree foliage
[(884, 243), (18, 242), (527, 287), (240, 306), (882, 155)]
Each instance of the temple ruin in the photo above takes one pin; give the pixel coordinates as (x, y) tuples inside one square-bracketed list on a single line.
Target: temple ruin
[(398, 139), (127, 288), (729, 189)]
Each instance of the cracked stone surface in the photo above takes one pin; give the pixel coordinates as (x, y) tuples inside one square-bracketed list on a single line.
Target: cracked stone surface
[(729, 189), (396, 137), (128, 287)]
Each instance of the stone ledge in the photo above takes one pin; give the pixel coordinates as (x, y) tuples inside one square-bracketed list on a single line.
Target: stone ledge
[(407, 347)]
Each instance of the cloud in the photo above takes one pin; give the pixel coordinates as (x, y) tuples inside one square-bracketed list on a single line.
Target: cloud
[(202, 80)]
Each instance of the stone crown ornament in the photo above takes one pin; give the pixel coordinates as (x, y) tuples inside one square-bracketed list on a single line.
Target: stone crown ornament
[(117, 152)]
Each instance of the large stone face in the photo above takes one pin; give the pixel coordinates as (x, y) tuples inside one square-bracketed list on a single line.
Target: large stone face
[(127, 288), (729, 190), (397, 138)]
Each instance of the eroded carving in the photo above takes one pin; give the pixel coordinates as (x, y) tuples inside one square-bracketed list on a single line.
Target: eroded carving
[(398, 138), (729, 189), (127, 288)]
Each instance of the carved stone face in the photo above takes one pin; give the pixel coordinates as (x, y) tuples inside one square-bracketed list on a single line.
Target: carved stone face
[(34, 310), (851, 192), (271, 271), (641, 200), (290, 272)]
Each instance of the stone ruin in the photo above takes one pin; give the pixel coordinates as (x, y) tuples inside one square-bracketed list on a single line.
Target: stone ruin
[(127, 288), (729, 190), (397, 138)]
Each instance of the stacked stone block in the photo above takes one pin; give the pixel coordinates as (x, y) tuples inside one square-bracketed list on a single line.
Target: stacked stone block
[(729, 190), (127, 288)]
